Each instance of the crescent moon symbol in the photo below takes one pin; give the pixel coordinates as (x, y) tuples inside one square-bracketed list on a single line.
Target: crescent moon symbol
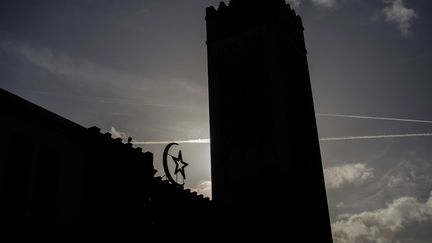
[(165, 163)]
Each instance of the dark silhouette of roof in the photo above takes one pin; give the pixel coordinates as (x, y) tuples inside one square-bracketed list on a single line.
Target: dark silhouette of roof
[(74, 179)]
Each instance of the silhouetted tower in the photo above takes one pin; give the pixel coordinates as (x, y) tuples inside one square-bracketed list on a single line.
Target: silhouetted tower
[(266, 163)]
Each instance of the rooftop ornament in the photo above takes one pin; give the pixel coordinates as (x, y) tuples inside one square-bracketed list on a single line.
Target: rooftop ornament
[(179, 165)]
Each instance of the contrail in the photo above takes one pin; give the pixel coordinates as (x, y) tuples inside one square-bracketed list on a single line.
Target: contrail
[(377, 136), (207, 141), (374, 118), (195, 141)]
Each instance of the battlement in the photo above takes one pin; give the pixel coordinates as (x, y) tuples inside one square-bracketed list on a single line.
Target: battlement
[(257, 4), (243, 14)]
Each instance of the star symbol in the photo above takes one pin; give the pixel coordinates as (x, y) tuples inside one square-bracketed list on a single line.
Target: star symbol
[(180, 164)]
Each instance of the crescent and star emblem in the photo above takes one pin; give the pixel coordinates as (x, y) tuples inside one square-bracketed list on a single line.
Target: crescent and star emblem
[(179, 164)]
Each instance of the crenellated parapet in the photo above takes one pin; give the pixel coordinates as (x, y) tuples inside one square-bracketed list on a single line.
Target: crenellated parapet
[(241, 15)]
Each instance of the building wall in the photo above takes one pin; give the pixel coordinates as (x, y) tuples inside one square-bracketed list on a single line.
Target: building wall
[(41, 162)]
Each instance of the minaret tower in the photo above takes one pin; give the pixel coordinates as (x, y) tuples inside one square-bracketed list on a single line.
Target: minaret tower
[(265, 156)]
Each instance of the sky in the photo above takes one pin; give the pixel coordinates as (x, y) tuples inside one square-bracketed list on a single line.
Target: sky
[(138, 68)]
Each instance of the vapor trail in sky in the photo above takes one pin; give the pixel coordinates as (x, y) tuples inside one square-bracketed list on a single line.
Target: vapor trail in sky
[(206, 140), (377, 136), (374, 118), (196, 141)]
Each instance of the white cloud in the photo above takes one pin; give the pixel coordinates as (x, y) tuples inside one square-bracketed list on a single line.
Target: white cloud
[(396, 181), (294, 3), (340, 205), (203, 188), (320, 3), (337, 176), (397, 13), (407, 175), (63, 65), (87, 75), (381, 225), (118, 134), (325, 3)]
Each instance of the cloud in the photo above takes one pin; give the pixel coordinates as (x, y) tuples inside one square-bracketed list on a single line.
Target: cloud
[(61, 64), (204, 188), (381, 225), (325, 3), (336, 176), (118, 134), (397, 13), (294, 3), (408, 175), (107, 84), (340, 205), (396, 181), (320, 3)]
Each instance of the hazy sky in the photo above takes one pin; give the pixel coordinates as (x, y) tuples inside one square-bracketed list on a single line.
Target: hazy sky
[(139, 67)]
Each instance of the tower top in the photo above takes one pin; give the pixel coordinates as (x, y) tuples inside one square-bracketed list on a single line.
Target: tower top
[(256, 2), (249, 5), (242, 14)]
